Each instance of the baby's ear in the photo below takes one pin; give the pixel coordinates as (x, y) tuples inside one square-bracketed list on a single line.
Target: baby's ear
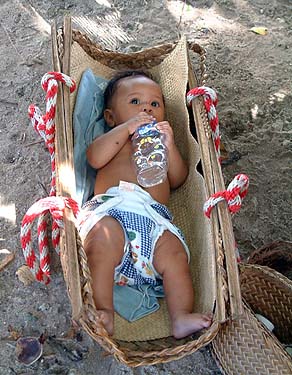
[(109, 118)]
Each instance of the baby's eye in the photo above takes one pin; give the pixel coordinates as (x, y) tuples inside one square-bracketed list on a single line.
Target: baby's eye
[(155, 104), (135, 101)]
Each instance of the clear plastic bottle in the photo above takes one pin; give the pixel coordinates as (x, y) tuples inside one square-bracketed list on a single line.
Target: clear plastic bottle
[(149, 155)]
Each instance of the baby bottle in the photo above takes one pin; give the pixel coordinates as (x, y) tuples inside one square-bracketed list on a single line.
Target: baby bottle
[(149, 155)]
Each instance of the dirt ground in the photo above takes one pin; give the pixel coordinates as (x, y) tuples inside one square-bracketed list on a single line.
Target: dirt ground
[(252, 75)]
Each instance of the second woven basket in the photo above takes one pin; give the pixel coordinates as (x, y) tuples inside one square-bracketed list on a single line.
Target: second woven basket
[(245, 346)]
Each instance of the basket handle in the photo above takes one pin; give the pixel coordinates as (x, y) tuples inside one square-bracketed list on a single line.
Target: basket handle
[(227, 268), (196, 48)]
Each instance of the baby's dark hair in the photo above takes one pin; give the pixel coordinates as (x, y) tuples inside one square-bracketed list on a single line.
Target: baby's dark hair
[(113, 83)]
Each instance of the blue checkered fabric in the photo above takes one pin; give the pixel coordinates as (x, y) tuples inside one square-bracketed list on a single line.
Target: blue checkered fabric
[(162, 210), (140, 232), (133, 222)]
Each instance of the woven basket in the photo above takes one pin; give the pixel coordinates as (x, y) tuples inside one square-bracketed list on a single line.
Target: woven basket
[(245, 346), (213, 265), (276, 255)]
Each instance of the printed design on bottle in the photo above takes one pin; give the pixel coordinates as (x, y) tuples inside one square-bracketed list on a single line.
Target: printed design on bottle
[(149, 155)]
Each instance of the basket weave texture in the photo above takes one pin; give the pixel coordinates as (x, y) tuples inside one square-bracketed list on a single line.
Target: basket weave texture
[(172, 74), (276, 255), (148, 340), (269, 293), (245, 346)]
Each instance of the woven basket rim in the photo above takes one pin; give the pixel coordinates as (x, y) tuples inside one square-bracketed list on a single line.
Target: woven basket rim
[(276, 255), (153, 52), (134, 358), (283, 280)]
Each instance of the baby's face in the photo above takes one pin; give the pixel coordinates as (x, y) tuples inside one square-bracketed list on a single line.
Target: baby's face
[(135, 95)]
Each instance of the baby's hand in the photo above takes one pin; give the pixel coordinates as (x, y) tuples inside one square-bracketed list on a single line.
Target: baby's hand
[(165, 128), (138, 120)]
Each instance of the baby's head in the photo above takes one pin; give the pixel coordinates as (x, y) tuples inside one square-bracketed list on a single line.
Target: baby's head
[(129, 93)]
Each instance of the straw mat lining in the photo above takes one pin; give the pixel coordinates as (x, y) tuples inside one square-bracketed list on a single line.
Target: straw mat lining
[(185, 203)]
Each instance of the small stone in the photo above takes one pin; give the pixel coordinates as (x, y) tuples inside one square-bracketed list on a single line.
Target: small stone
[(28, 350), (24, 275)]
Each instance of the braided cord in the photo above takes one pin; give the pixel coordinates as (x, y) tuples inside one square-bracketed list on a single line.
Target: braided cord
[(45, 127)]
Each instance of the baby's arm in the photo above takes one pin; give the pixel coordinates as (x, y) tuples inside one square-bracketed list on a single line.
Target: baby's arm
[(177, 168), (105, 147)]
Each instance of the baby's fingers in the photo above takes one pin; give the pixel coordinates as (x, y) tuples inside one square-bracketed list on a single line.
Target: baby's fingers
[(141, 119), (164, 127)]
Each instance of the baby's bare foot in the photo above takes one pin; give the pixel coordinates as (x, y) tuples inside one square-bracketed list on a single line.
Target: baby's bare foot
[(185, 324), (106, 317)]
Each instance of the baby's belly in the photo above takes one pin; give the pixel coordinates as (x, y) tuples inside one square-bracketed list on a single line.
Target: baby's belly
[(106, 179)]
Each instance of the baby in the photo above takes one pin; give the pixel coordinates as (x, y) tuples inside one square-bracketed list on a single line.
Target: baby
[(129, 236)]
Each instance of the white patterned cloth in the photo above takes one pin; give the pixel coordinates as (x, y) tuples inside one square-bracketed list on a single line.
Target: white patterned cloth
[(143, 220)]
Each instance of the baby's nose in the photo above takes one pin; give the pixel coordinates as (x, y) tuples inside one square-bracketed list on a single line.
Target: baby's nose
[(147, 108)]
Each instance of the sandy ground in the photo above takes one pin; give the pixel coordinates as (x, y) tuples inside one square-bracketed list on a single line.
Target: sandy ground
[(252, 75)]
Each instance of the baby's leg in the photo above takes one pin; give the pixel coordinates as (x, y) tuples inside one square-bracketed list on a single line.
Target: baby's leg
[(104, 246), (170, 260)]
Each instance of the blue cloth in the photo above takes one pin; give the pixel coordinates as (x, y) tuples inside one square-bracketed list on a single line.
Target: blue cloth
[(135, 302), (88, 123)]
